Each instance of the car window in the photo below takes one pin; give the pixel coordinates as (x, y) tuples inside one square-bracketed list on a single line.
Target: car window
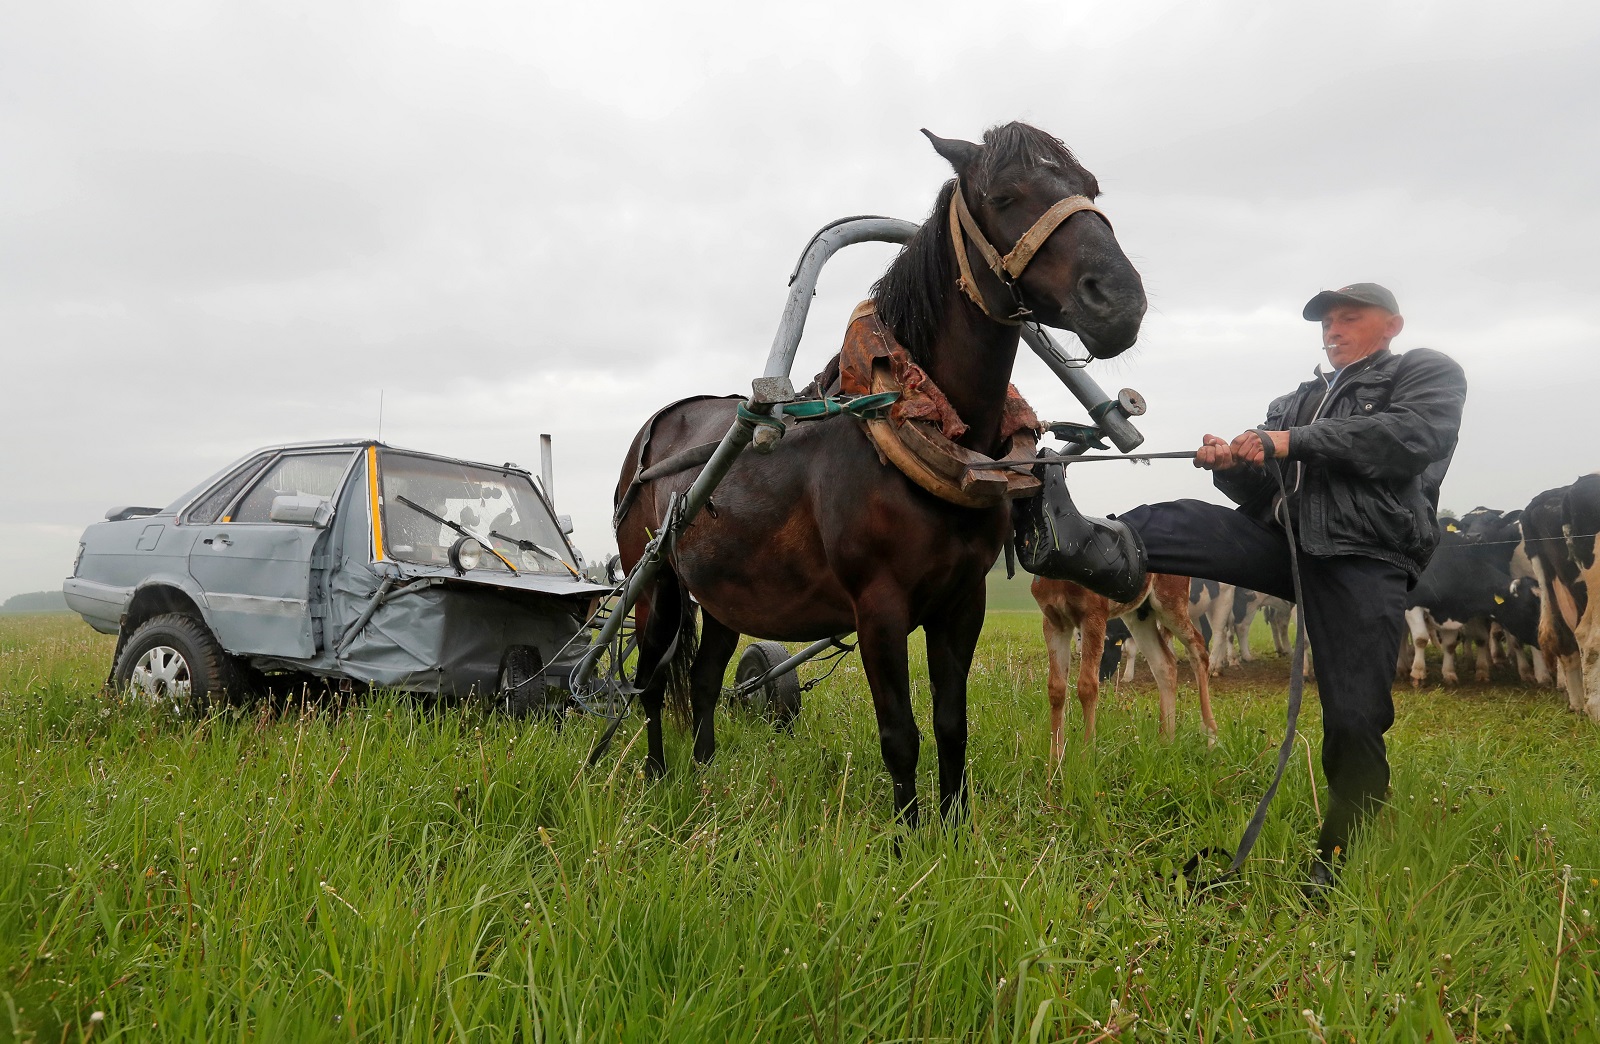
[(315, 474), (210, 507), (499, 507)]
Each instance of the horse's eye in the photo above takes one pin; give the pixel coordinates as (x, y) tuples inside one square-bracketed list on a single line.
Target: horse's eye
[(1000, 202)]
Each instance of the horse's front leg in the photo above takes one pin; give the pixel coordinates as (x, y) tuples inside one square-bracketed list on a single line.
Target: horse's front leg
[(882, 625), (952, 639)]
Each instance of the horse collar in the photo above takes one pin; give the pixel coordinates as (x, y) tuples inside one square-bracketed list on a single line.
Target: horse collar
[(1010, 267)]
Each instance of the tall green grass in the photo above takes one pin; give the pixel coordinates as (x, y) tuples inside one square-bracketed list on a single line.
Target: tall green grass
[(386, 872)]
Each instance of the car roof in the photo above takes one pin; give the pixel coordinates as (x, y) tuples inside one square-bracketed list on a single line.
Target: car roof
[(182, 503)]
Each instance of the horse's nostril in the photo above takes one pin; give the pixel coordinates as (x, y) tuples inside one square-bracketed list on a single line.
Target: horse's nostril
[(1092, 296)]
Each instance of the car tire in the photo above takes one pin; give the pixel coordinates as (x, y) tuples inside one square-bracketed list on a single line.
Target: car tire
[(174, 661), (776, 699), (523, 693)]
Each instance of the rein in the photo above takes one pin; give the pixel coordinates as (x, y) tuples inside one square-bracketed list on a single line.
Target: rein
[(1297, 663), (1007, 269), (1297, 685)]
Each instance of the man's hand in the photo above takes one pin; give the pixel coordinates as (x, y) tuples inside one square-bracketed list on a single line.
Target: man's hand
[(1246, 449), (1214, 454)]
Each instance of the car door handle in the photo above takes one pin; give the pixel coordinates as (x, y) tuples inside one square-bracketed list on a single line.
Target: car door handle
[(220, 538)]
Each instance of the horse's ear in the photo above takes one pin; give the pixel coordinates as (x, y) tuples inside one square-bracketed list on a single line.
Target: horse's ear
[(960, 154)]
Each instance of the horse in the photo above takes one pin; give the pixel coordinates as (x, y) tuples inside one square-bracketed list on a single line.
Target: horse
[(822, 536)]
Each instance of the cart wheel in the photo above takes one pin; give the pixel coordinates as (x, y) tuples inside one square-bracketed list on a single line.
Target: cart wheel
[(522, 689), (776, 699), (174, 661)]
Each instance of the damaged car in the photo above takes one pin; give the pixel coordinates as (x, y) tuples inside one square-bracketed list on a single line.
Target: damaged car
[(353, 563)]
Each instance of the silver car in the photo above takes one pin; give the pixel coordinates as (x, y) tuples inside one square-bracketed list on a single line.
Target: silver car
[(350, 561)]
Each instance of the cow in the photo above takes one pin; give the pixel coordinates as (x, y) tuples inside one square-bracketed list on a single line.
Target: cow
[(1224, 614), (1519, 618), (1468, 589), (1560, 528), (1246, 604), (1280, 615), (1162, 602), (1210, 609), (1120, 649)]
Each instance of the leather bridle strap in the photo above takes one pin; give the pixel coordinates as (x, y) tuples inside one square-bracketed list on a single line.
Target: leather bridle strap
[(1012, 265)]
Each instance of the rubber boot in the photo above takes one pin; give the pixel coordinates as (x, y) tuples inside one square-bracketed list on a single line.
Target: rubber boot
[(1054, 540), (1333, 841)]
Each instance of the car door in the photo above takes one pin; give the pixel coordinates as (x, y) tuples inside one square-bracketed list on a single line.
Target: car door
[(256, 574)]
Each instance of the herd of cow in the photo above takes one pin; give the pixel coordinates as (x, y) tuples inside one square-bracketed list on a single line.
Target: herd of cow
[(1511, 584)]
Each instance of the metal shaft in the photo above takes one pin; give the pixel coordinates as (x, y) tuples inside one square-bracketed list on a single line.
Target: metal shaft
[(678, 518), (1078, 458), (1105, 410), (811, 651), (803, 280)]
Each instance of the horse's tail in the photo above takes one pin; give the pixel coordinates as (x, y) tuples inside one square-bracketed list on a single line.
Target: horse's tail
[(678, 667), (668, 641)]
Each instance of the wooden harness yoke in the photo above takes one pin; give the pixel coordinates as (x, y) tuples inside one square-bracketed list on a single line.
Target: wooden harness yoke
[(918, 434)]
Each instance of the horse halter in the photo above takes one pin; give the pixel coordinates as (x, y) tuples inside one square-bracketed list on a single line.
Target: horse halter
[(1010, 267)]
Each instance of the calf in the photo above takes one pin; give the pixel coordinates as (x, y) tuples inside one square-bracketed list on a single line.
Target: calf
[(1559, 533), (1068, 608)]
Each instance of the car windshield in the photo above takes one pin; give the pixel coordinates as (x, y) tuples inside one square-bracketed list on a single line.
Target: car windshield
[(500, 508)]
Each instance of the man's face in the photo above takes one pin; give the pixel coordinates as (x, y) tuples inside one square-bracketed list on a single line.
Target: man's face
[(1351, 332)]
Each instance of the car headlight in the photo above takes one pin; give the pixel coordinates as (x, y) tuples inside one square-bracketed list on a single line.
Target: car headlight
[(466, 553)]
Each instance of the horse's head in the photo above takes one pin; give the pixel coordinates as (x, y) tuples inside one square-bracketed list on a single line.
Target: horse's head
[(1077, 277)]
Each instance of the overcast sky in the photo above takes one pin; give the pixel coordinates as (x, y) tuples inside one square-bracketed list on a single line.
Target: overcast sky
[(228, 225)]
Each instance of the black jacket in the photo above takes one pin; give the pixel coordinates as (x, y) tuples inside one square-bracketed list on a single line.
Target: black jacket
[(1367, 456)]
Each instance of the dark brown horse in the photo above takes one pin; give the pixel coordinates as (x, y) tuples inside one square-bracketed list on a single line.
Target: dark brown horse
[(821, 537)]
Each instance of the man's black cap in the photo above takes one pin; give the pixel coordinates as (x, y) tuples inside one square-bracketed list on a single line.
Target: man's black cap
[(1355, 293)]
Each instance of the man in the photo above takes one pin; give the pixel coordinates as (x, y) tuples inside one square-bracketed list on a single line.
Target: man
[(1362, 450)]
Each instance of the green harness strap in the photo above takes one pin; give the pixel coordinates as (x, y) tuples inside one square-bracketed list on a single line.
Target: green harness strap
[(867, 406)]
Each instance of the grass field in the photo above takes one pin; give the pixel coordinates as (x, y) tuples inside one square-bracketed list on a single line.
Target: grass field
[(387, 873)]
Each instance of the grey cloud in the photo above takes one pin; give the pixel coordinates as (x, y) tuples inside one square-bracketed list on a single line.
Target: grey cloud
[(221, 227)]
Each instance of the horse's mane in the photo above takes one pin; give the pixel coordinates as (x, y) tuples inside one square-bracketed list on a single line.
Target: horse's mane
[(911, 294)]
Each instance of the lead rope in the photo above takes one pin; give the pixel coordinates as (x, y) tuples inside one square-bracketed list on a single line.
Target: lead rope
[(1297, 681)]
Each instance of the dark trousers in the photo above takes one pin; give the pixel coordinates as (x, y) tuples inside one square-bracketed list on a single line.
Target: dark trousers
[(1353, 615)]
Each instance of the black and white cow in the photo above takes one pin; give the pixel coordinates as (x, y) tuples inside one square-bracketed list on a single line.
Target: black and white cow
[(1224, 615), (1469, 592), (1560, 528)]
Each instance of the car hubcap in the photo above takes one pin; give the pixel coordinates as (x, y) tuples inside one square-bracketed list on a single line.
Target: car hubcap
[(162, 676)]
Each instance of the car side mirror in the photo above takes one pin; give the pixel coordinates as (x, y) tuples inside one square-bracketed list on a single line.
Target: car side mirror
[(303, 509), (565, 522)]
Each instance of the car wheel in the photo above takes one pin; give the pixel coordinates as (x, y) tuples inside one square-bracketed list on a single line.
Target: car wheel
[(776, 699), (174, 661), (522, 689)]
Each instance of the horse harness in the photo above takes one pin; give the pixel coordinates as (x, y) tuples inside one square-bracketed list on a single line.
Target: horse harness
[(1007, 269), (918, 435)]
